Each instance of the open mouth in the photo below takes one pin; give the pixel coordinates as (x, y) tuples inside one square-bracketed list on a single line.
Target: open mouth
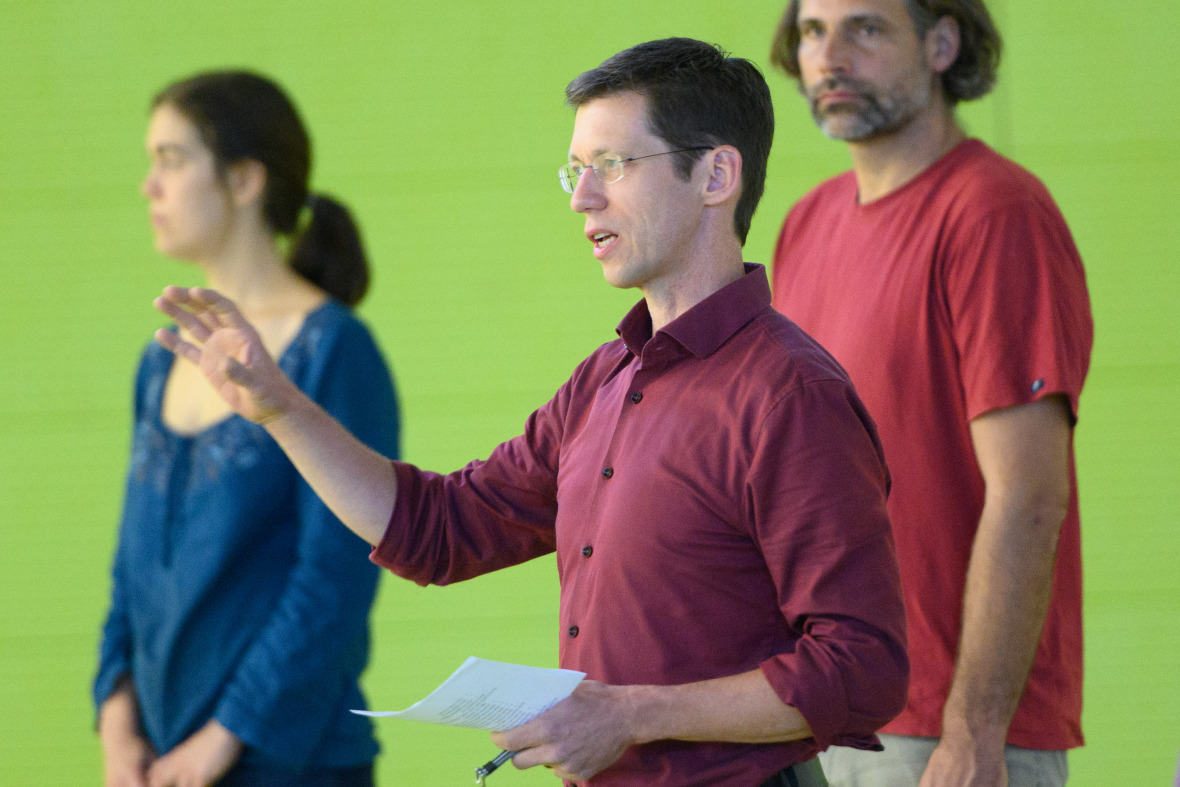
[(602, 239)]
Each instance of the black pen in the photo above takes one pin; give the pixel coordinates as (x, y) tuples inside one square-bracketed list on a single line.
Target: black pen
[(489, 767)]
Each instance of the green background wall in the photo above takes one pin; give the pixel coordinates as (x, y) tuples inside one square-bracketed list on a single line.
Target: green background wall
[(442, 125)]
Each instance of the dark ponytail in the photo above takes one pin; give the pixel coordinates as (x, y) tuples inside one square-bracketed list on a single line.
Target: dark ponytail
[(328, 253), (241, 116)]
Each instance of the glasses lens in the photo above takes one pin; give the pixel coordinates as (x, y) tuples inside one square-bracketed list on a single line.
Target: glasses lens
[(610, 169), (569, 177)]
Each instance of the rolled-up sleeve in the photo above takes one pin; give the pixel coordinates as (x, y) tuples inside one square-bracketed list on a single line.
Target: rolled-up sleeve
[(489, 515), (817, 492)]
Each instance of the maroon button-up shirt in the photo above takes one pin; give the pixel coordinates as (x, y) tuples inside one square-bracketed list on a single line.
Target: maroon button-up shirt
[(716, 497)]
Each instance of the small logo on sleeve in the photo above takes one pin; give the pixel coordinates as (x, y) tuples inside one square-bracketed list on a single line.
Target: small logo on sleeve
[(1038, 384)]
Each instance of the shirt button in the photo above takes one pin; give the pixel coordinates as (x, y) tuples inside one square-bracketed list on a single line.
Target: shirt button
[(607, 472), (587, 551), (573, 632), (636, 398)]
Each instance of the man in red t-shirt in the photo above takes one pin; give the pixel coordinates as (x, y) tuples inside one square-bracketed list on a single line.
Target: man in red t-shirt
[(944, 279)]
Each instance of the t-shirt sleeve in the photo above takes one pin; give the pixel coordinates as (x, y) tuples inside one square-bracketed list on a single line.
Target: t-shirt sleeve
[(1020, 314), (818, 500)]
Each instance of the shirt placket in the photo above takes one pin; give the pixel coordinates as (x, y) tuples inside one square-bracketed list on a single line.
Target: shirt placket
[(653, 360)]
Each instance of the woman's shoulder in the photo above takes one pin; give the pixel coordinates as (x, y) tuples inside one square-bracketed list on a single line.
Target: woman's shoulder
[(331, 324), (154, 360), (330, 331)]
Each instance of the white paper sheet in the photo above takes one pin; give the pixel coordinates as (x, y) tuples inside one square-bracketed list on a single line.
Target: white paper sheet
[(490, 695)]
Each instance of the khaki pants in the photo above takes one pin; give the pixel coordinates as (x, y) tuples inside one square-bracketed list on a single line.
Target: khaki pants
[(905, 758)]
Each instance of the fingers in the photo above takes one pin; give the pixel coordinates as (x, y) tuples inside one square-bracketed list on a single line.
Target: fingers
[(225, 310), (578, 737), (125, 777), (171, 341), (548, 757), (537, 755), (184, 311), (522, 736), (201, 311), (531, 746), (160, 775)]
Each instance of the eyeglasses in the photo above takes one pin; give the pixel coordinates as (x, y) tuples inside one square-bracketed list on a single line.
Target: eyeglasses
[(608, 170)]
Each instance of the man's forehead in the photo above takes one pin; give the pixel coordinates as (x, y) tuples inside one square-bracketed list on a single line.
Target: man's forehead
[(623, 103), (609, 123), (826, 9)]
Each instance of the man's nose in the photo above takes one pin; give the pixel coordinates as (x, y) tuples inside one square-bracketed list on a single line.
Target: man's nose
[(589, 192)]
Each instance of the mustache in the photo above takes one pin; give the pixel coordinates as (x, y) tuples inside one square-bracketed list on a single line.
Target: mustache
[(832, 83)]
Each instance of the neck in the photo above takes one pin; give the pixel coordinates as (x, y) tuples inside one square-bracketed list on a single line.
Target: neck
[(886, 163), (668, 299), (249, 271)]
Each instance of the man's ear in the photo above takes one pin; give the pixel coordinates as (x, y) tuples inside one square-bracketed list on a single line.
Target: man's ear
[(246, 180), (724, 174), (942, 44)]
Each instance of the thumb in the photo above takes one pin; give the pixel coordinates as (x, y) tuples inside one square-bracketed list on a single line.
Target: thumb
[(269, 397), (238, 374)]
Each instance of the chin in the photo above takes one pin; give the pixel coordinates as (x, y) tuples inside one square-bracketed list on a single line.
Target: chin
[(173, 250), (841, 130), (618, 279), (169, 250)]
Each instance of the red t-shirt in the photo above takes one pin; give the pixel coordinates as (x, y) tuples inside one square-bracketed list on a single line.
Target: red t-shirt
[(959, 293), (716, 497)]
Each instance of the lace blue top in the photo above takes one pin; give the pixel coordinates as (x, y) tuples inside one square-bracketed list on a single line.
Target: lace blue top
[(236, 594)]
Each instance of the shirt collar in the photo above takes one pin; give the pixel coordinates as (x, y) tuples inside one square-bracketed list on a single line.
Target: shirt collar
[(708, 324)]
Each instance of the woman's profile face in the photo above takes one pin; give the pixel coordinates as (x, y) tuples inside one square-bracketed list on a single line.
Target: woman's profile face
[(188, 201)]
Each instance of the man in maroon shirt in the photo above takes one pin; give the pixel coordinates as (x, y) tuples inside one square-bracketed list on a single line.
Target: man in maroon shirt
[(944, 279), (710, 482)]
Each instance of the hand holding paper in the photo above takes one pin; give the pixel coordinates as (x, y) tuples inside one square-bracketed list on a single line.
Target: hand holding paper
[(583, 734), (509, 699)]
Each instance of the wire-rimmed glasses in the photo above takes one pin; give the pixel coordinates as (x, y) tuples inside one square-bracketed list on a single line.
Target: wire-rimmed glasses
[(609, 169)]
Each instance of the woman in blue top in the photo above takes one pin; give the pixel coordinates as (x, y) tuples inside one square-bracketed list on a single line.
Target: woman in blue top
[(238, 625)]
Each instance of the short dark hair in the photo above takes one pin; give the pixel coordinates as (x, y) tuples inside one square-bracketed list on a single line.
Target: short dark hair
[(243, 116), (971, 76), (697, 96)]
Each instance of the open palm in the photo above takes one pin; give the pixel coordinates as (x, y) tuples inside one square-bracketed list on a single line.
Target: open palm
[(227, 349)]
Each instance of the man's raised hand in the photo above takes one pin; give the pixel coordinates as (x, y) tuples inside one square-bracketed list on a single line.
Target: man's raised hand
[(228, 350)]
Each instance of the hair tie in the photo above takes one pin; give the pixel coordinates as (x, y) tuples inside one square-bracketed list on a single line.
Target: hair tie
[(305, 214)]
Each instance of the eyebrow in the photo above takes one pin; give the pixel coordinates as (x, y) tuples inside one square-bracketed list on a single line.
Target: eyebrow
[(880, 19), (169, 147), (854, 19), (597, 152)]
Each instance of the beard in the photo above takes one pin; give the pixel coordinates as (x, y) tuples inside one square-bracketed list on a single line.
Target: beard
[(874, 112)]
